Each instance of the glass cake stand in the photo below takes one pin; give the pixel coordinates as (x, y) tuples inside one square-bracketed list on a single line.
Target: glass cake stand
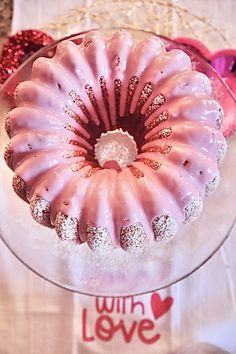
[(77, 268)]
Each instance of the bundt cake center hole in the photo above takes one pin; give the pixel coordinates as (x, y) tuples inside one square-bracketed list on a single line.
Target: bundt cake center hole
[(115, 149)]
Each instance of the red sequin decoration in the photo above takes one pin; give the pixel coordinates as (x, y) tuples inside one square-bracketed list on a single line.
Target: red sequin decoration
[(20, 47)]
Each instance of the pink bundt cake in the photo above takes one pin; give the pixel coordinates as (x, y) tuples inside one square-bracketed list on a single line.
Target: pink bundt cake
[(115, 142)]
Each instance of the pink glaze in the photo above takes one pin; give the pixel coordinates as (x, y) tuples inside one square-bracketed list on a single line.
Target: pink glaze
[(71, 200), (200, 109), (155, 193), (162, 67), (86, 88), (130, 210), (142, 55), (28, 117), (99, 203)]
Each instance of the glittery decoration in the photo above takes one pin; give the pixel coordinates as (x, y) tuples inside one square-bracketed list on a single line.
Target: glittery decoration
[(8, 125), (162, 134), (206, 84), (72, 114), (153, 164), (136, 172), (116, 145), (69, 141), (117, 88), (133, 238), (158, 101), (19, 187), (219, 118), (78, 165), (133, 83), (79, 103), (98, 238), (212, 185), (8, 155), (74, 130), (92, 171), (75, 167), (164, 227), (145, 94), (221, 152), (67, 228), (93, 100), (20, 47), (40, 210), (166, 149), (103, 88), (72, 153), (158, 120), (193, 209)]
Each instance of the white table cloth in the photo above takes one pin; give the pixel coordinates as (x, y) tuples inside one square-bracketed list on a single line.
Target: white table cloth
[(37, 317)]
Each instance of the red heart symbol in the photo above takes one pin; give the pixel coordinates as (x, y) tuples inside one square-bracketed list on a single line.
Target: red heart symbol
[(159, 306)]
